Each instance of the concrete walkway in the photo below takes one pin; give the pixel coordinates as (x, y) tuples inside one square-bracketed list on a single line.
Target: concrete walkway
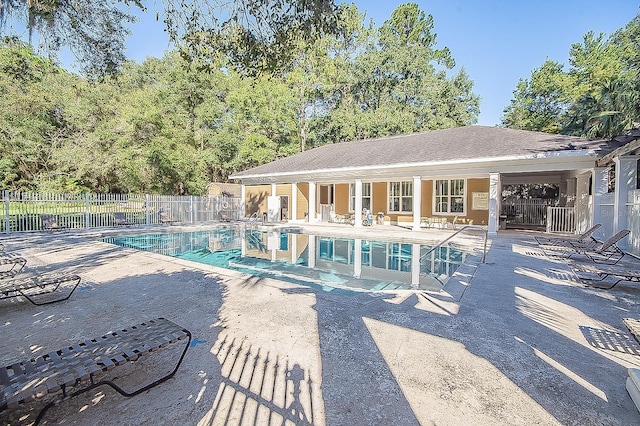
[(513, 341)]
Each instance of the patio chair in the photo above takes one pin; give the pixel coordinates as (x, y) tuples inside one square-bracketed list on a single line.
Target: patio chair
[(599, 252), (10, 266), (33, 287), (120, 219), (603, 272), (585, 237), (50, 223), (165, 219), (78, 368), (223, 216)]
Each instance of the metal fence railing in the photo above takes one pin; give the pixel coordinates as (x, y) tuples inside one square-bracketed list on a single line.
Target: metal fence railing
[(23, 211)]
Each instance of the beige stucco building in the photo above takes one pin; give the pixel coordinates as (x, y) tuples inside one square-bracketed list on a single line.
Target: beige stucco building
[(445, 174)]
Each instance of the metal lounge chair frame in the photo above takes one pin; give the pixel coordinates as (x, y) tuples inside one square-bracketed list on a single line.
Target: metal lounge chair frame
[(223, 217), (165, 219), (599, 252), (17, 264), (121, 219), (585, 237), (32, 287), (603, 272), (49, 223), (80, 364)]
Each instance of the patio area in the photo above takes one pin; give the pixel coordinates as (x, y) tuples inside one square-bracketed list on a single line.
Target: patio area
[(517, 340)]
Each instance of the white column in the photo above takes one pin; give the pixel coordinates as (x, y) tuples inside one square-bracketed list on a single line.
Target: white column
[(243, 197), (357, 258), (571, 192), (417, 202), (294, 203), (495, 196), (599, 190), (415, 265), (312, 252), (626, 180), (583, 203), (358, 206), (293, 241), (312, 202), (273, 189)]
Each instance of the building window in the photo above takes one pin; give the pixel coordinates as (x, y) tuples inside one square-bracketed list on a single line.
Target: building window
[(366, 196), (401, 197), (399, 258), (449, 196)]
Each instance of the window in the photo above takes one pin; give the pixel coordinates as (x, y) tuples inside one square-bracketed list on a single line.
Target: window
[(399, 257), (401, 196), (366, 196), (449, 196)]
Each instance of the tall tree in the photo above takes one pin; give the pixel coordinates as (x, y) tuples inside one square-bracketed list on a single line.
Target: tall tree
[(259, 34), (395, 81), (541, 101), (598, 96)]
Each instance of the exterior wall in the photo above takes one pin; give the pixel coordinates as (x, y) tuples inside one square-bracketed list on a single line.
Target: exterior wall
[(476, 217), (379, 201), (284, 189), (426, 208), (256, 199), (303, 200), (341, 198)]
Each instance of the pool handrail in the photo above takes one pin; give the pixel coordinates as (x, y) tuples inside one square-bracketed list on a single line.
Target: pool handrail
[(474, 227)]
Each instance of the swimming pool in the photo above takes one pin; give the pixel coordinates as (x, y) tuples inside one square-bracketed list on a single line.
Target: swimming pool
[(326, 261)]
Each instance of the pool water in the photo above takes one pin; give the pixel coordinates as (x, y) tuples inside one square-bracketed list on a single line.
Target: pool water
[(324, 261)]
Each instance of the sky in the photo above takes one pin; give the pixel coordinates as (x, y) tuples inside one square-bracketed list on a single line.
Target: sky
[(498, 42)]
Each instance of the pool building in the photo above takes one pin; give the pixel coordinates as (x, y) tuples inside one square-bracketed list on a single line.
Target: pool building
[(441, 175)]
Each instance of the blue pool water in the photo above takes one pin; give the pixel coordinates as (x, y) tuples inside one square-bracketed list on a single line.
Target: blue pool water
[(328, 262)]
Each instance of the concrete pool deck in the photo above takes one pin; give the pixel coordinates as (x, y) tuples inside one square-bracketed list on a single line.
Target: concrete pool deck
[(517, 340)]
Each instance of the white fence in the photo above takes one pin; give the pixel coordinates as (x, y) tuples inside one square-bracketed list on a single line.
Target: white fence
[(22, 211), (561, 219), (532, 211)]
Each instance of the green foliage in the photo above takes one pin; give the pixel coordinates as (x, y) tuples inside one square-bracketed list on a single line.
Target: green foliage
[(172, 125), (598, 96)]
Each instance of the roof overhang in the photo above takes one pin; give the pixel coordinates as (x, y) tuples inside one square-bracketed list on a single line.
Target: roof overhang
[(538, 162)]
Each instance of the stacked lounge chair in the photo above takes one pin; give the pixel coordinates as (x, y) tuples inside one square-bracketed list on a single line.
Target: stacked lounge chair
[(599, 252)]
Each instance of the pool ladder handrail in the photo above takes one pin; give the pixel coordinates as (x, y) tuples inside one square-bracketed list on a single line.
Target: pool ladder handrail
[(474, 227)]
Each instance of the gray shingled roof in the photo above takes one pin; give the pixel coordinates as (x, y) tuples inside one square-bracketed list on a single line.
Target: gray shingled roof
[(461, 143)]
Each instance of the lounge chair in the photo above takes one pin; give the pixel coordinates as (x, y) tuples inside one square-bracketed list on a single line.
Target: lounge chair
[(165, 219), (34, 286), (121, 219), (50, 223), (602, 272), (223, 217), (585, 237), (599, 252), (11, 266), (77, 368)]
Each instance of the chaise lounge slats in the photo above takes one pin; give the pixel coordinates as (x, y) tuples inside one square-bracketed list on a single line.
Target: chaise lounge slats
[(32, 287), (17, 264), (78, 364)]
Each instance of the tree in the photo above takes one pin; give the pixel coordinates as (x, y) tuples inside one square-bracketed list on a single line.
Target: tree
[(392, 81), (540, 102), (597, 97), (257, 34)]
